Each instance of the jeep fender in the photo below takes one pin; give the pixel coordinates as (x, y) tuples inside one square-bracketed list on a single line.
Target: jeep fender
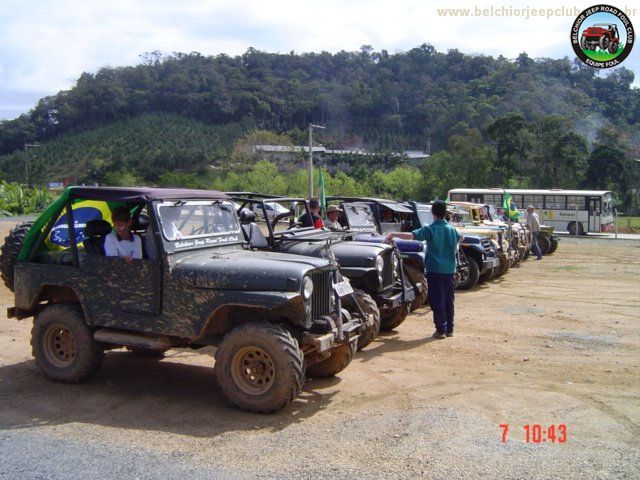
[(230, 309)]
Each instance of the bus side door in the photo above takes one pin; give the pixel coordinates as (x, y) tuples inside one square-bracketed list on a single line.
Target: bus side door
[(594, 214)]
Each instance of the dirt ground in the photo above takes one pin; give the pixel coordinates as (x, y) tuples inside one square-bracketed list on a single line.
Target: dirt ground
[(552, 342)]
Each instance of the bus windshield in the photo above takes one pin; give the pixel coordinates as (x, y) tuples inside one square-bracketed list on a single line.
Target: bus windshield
[(607, 208)]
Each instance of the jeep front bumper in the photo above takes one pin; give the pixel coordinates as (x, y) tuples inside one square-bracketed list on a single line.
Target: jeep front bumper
[(323, 342), (393, 298), (489, 264)]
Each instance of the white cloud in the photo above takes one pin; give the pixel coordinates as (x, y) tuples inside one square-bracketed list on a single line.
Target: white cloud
[(47, 44)]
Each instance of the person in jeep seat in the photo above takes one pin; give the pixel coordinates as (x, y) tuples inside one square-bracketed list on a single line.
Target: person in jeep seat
[(315, 220), (333, 212), (122, 242)]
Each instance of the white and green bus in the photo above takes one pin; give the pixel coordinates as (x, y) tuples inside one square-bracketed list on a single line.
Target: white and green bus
[(565, 210)]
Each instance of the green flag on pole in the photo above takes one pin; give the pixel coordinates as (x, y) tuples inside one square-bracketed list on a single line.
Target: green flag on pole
[(510, 208), (321, 194)]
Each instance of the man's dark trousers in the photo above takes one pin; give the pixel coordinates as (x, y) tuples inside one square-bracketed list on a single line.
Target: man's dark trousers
[(535, 246), (441, 298)]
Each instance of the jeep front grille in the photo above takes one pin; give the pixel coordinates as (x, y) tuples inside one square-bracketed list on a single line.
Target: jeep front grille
[(387, 273), (321, 297)]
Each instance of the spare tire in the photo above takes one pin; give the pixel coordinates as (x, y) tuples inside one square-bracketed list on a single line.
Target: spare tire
[(9, 252)]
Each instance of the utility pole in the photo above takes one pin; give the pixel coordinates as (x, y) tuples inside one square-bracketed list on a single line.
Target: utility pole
[(311, 127), (27, 146)]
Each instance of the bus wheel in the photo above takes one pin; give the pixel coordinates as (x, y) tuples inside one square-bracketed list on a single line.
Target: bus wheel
[(572, 228)]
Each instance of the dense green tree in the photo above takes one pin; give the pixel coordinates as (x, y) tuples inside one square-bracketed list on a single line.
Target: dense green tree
[(190, 114), (513, 145), (123, 178)]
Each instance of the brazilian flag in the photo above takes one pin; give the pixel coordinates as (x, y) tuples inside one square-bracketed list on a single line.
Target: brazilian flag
[(510, 208)]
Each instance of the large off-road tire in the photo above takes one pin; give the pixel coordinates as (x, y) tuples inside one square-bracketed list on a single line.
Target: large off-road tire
[(416, 277), (613, 47), (394, 318), (603, 43), (341, 356), (554, 246), (259, 367), (369, 308), (485, 277), (544, 243), (503, 268), (470, 280), (583, 44), (9, 252), (63, 345)]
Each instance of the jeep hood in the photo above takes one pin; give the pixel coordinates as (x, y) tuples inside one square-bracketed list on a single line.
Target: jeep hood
[(243, 270), (486, 232), (405, 246), (348, 253)]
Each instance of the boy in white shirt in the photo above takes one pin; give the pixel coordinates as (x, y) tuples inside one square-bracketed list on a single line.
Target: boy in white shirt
[(122, 242)]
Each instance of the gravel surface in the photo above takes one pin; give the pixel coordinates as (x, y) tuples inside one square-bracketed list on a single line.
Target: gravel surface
[(552, 342)]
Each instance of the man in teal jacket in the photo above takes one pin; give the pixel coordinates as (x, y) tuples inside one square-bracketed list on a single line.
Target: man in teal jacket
[(442, 245)]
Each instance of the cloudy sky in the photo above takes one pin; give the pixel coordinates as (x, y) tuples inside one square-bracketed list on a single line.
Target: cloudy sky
[(46, 44)]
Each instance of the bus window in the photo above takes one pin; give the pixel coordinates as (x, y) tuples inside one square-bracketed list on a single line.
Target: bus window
[(555, 202), (535, 200), (574, 202), (458, 197), (492, 199)]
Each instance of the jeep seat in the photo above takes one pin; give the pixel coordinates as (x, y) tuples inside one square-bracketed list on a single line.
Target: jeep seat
[(95, 232), (140, 223), (252, 232)]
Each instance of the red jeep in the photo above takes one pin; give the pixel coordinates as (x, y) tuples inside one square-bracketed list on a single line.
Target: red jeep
[(603, 35)]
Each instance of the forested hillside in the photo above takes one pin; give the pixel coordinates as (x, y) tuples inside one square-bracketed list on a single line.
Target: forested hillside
[(486, 121)]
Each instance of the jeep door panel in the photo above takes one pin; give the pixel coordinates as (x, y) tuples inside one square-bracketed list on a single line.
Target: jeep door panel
[(130, 288)]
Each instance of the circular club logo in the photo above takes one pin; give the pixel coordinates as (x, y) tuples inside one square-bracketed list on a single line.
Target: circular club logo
[(602, 36)]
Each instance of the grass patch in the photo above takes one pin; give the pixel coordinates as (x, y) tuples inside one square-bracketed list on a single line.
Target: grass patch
[(568, 268), (628, 224), (602, 56)]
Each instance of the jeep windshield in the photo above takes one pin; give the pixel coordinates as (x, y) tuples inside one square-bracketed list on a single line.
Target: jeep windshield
[(189, 222), (424, 215), (360, 217)]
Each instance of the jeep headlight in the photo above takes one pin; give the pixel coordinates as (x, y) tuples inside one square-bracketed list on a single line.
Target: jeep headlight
[(395, 266), (380, 268), (307, 288)]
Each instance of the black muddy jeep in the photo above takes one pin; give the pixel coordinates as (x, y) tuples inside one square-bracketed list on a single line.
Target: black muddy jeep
[(271, 315), (374, 270)]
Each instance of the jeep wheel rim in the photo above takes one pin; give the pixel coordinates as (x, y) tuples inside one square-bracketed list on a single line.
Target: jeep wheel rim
[(253, 370), (464, 275), (60, 346)]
